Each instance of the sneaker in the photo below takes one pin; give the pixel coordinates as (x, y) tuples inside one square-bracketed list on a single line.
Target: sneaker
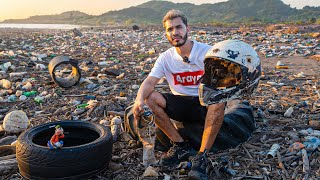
[(177, 153), (199, 167)]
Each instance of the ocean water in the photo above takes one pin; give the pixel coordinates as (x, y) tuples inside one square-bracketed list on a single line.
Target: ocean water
[(41, 26)]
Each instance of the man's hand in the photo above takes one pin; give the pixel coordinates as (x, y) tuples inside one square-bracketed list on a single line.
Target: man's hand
[(138, 108)]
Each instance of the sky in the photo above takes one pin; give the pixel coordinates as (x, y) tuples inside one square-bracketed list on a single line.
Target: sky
[(19, 9)]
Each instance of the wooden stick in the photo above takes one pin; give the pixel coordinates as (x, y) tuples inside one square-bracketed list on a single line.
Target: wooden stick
[(281, 165), (246, 150), (273, 140), (250, 146)]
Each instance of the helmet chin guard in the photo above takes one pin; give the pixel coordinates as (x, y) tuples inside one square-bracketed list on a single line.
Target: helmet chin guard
[(232, 71)]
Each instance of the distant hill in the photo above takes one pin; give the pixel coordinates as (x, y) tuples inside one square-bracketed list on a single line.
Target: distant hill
[(70, 17), (265, 11)]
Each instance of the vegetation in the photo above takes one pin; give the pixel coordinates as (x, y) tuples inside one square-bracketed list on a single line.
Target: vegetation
[(233, 11)]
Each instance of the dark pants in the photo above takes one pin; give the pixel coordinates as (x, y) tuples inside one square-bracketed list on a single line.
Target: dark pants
[(237, 126)]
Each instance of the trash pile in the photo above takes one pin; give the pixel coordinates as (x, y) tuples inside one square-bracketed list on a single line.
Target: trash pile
[(114, 62)]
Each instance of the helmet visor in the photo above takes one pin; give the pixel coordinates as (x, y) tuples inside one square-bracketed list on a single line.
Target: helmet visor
[(220, 73)]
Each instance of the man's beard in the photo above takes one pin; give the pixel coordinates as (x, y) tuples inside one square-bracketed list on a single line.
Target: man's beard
[(179, 44)]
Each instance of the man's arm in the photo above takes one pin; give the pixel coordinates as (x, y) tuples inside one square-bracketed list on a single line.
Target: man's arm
[(146, 88), (213, 122)]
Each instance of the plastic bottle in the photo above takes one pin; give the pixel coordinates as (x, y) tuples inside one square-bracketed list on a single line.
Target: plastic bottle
[(102, 63), (90, 97), (115, 127), (29, 93), (39, 99), (12, 98), (147, 136), (289, 112), (82, 105), (23, 98), (6, 83), (27, 86)]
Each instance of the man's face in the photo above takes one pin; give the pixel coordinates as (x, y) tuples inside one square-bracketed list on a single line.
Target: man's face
[(176, 32)]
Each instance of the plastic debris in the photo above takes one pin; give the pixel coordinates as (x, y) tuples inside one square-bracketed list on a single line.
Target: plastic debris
[(115, 127), (273, 151), (288, 112), (280, 65)]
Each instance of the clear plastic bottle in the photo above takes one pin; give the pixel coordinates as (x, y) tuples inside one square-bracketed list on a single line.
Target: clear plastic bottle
[(116, 127), (147, 136)]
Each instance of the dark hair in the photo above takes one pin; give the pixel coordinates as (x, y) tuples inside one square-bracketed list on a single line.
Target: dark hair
[(173, 13)]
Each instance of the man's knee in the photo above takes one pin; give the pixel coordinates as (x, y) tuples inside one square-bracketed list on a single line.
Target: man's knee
[(156, 99)]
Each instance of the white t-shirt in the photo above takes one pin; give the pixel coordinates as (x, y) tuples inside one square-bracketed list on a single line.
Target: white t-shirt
[(181, 76)]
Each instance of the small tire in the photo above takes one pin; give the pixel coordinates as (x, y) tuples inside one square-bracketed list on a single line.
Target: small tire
[(87, 150)]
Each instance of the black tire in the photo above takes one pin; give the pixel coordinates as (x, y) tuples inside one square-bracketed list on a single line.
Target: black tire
[(237, 127), (87, 150)]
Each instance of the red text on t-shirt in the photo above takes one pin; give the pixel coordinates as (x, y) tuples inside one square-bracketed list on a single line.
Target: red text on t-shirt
[(187, 78)]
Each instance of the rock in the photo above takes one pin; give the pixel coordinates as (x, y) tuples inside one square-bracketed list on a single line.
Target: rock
[(112, 71), (151, 172), (79, 111), (135, 86), (135, 27), (77, 32), (15, 122), (115, 166)]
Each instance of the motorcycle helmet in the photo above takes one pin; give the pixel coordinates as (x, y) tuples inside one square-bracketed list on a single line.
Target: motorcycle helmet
[(232, 70)]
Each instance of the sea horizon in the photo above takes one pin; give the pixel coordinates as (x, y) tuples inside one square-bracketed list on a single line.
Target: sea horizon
[(40, 26)]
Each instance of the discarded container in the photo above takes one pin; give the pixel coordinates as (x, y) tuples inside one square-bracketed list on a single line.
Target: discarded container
[(18, 93), (15, 74), (22, 98), (82, 105), (5, 66), (27, 86), (185, 165), (12, 98), (39, 99), (29, 93), (116, 127), (103, 63), (40, 66), (289, 112), (280, 65), (73, 78), (311, 143), (273, 151), (6, 83), (147, 136), (90, 97)]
